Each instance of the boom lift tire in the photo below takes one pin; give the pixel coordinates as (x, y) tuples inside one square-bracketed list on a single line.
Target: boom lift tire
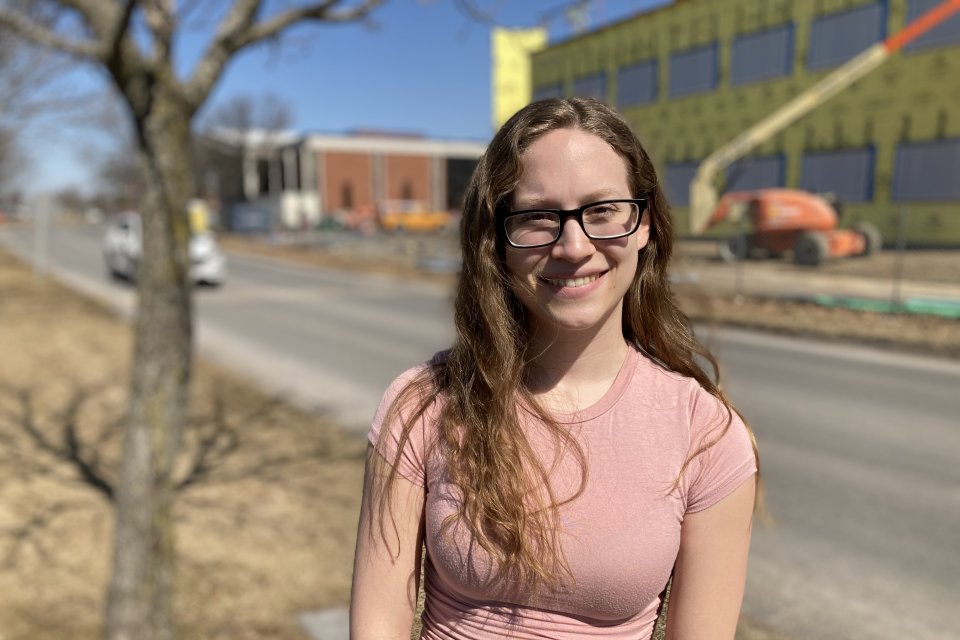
[(872, 240), (735, 248), (810, 249)]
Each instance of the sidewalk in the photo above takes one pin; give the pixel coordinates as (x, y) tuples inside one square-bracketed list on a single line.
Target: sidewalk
[(328, 624)]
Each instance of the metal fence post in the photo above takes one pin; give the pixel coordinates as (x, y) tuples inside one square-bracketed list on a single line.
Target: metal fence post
[(897, 301)]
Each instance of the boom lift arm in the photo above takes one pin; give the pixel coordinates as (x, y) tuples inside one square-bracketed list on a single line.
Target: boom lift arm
[(703, 193)]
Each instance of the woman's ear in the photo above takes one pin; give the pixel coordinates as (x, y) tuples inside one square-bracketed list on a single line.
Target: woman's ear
[(643, 231)]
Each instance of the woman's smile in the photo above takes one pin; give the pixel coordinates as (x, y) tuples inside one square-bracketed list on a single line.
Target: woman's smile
[(572, 282)]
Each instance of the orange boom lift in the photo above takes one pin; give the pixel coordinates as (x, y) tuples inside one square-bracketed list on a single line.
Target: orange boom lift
[(785, 220)]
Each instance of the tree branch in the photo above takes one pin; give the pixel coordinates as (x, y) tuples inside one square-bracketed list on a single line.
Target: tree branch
[(323, 12), (37, 33), (114, 38), (476, 14), (239, 30), (163, 23)]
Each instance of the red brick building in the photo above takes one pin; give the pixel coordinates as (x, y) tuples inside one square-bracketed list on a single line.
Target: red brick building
[(298, 182), (360, 171)]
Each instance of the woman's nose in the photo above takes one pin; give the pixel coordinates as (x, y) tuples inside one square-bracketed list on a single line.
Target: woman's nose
[(573, 244)]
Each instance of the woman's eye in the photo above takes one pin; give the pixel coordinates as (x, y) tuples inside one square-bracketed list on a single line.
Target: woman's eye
[(602, 210), (537, 218)]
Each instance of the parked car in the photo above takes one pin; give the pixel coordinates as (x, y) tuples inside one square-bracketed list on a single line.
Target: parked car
[(398, 216), (123, 247)]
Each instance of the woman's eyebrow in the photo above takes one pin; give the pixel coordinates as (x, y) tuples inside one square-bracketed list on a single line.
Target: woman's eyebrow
[(542, 202), (605, 194)]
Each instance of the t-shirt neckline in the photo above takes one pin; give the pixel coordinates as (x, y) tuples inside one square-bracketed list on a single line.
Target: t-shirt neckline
[(612, 395)]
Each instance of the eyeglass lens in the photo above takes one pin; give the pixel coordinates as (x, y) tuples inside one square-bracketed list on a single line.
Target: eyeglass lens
[(600, 221)]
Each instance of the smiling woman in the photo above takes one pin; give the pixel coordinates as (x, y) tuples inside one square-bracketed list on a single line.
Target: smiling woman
[(574, 282), (567, 455)]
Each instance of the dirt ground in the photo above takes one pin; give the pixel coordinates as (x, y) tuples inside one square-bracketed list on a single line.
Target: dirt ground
[(932, 335), (269, 537), (272, 535)]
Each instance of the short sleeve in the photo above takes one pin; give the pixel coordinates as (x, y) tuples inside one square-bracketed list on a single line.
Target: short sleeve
[(728, 458), (387, 428)]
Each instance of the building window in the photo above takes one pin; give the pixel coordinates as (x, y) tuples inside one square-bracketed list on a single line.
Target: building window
[(591, 86), (406, 190), (693, 71), (944, 34), (290, 170), (927, 171), (346, 196), (763, 172), (837, 37), (848, 174), (263, 176), (459, 171), (548, 91), (762, 56), (678, 177), (637, 84)]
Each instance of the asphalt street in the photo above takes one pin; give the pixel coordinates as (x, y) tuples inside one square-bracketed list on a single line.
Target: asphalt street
[(860, 447)]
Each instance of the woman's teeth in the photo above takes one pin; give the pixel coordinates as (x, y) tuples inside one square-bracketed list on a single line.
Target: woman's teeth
[(572, 282)]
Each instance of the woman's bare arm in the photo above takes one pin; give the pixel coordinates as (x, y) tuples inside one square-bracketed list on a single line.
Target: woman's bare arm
[(386, 573), (711, 569)]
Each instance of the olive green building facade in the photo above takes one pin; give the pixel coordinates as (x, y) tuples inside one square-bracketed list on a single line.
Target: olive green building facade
[(691, 76)]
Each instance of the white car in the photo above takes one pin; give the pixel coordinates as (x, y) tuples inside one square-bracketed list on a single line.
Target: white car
[(123, 246)]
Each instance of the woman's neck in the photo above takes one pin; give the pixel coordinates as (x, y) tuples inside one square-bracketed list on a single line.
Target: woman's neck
[(572, 370)]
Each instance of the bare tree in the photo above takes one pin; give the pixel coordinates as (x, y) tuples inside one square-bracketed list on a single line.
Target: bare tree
[(21, 76), (233, 136), (133, 41), (245, 113)]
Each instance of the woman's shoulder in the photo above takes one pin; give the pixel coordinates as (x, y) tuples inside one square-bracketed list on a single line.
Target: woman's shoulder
[(410, 394), (665, 388), (418, 371), (413, 385), (652, 372)]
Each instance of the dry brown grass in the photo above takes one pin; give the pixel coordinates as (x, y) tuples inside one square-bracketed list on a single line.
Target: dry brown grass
[(256, 548), (933, 335)]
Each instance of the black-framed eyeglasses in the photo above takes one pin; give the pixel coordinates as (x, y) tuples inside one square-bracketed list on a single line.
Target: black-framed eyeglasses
[(603, 220)]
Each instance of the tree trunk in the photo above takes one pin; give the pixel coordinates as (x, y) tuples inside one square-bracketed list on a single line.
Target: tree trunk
[(139, 599)]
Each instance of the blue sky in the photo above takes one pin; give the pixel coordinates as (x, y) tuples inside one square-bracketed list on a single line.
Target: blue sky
[(424, 68)]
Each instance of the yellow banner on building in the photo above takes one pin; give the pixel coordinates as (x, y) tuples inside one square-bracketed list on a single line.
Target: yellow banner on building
[(510, 74)]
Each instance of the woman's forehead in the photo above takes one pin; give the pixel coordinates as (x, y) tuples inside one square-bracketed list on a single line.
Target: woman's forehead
[(570, 164)]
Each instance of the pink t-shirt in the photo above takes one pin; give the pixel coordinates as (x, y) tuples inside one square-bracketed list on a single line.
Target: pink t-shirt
[(620, 537)]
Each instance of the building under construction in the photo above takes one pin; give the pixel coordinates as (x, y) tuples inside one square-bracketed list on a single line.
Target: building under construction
[(691, 76)]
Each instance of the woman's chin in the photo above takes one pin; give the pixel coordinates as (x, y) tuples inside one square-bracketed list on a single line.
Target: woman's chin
[(575, 321)]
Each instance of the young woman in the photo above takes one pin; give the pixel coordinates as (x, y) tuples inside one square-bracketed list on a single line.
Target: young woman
[(568, 454)]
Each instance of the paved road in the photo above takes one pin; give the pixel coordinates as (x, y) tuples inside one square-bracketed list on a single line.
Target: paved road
[(315, 336), (861, 458), (860, 447)]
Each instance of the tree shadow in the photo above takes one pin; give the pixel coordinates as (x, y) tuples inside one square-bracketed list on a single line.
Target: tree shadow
[(76, 443)]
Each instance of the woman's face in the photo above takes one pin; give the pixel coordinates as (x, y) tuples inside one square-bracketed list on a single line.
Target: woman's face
[(576, 283)]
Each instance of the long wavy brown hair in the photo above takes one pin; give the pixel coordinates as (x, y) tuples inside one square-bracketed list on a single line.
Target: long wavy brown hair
[(478, 386)]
